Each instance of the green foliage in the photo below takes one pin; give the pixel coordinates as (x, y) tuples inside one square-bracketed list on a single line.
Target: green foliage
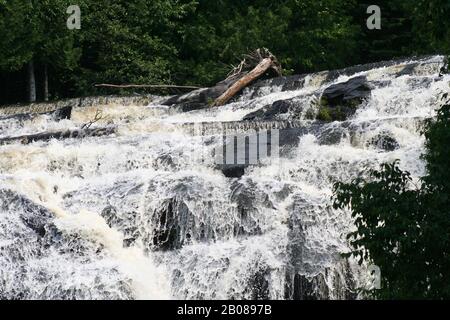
[(407, 28), (431, 25), (404, 228), (438, 153), (395, 37), (324, 114), (196, 41), (339, 112), (35, 30), (56, 44), (130, 41), (336, 113), (16, 41), (305, 35)]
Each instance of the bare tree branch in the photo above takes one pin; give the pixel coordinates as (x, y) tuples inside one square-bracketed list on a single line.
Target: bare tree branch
[(252, 67), (158, 86), (98, 116)]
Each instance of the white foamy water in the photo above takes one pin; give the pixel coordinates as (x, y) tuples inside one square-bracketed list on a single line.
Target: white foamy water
[(135, 215)]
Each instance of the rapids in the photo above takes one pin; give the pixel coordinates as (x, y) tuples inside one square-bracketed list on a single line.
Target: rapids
[(145, 213)]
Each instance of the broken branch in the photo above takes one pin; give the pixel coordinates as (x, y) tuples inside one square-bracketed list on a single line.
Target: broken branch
[(156, 86), (259, 62)]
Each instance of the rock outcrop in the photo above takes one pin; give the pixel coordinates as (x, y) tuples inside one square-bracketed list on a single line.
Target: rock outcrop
[(340, 101)]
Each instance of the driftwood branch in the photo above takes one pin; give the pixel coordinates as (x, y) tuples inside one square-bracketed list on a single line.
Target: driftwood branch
[(98, 116), (259, 62), (155, 86), (68, 134)]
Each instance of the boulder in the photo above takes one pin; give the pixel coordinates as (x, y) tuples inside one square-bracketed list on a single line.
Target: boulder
[(385, 141), (340, 101), (171, 221), (270, 112), (233, 170), (246, 196), (63, 113), (32, 215)]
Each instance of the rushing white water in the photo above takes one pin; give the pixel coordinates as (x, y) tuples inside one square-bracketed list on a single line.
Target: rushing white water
[(135, 215)]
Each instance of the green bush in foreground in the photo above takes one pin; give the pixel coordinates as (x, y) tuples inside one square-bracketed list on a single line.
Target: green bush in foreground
[(402, 227)]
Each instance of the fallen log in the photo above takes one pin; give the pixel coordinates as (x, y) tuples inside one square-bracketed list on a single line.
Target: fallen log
[(264, 61), (243, 82), (68, 134), (156, 86)]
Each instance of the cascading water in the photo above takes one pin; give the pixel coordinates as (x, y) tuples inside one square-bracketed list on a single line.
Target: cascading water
[(134, 215)]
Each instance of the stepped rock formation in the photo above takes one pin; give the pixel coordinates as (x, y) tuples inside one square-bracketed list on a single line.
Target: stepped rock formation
[(170, 205)]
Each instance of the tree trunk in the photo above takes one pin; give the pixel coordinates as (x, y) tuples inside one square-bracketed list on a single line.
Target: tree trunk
[(31, 82), (68, 134), (257, 72), (156, 86), (45, 82)]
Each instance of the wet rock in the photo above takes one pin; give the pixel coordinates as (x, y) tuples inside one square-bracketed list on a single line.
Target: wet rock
[(171, 224), (331, 135), (258, 285), (344, 285), (336, 283), (285, 83), (301, 287), (63, 113), (270, 112), (38, 220), (246, 196), (194, 100), (174, 225), (290, 137), (420, 82), (306, 277), (310, 289), (67, 134), (32, 215), (234, 165), (233, 170), (292, 83), (445, 68), (35, 253), (407, 70), (340, 101), (295, 82), (125, 223), (385, 141)]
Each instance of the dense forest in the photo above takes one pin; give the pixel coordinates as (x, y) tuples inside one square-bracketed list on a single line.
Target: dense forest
[(401, 221), (193, 42)]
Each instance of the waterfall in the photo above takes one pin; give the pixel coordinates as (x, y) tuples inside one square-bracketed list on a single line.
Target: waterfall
[(145, 213)]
